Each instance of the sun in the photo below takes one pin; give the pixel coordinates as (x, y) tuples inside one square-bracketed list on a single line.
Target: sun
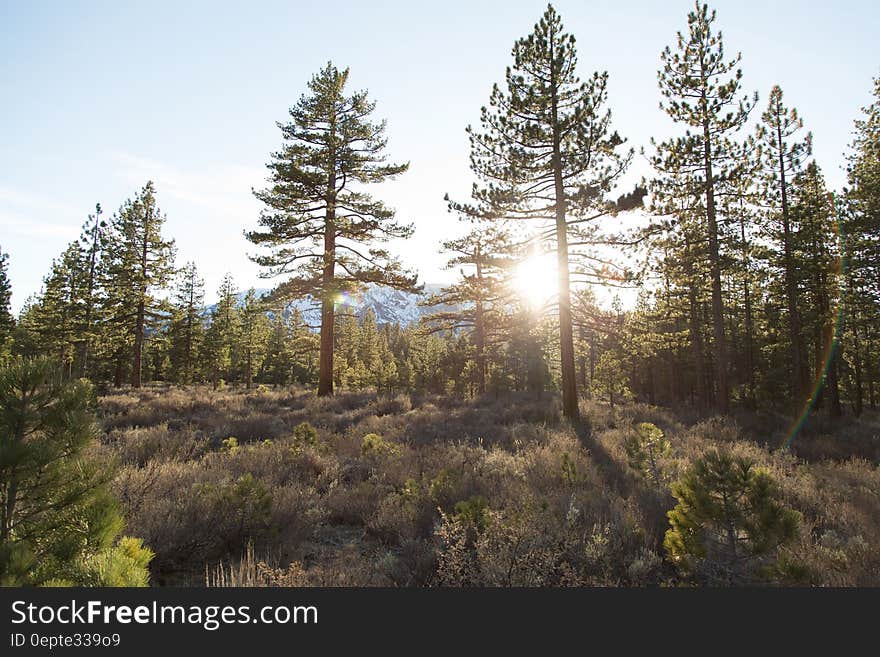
[(535, 279)]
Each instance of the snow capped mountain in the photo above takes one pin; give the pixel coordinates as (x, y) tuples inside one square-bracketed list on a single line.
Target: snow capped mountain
[(389, 305)]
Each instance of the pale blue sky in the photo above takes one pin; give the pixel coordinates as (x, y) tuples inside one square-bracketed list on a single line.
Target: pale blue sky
[(98, 97)]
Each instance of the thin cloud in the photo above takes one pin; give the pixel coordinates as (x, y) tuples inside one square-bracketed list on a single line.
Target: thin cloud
[(25, 214), (30, 227), (224, 190)]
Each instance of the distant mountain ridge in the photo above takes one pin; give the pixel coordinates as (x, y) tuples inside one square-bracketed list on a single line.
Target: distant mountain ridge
[(390, 306)]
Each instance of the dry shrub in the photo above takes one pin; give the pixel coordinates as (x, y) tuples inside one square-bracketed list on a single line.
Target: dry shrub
[(251, 571), (139, 445), (563, 505), (532, 546)]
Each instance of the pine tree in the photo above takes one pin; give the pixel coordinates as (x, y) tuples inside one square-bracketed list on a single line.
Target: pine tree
[(547, 153), (701, 89), (740, 204), (586, 317), (56, 318), (861, 235), (222, 333), (187, 328), (783, 155), (729, 520), (278, 364), (386, 375), (7, 322), (316, 225), (91, 240), (817, 269), (347, 366), (253, 335), (610, 379), (370, 372), (291, 350), (136, 262), (680, 251), (58, 522), (474, 303)]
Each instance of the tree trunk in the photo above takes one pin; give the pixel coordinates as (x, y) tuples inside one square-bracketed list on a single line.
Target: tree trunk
[(117, 375), (750, 326), (702, 398), (869, 369), (250, 372), (480, 330), (90, 291), (566, 339), (138, 346), (139, 325), (328, 297), (794, 321), (834, 409), (857, 366), (582, 359), (722, 399)]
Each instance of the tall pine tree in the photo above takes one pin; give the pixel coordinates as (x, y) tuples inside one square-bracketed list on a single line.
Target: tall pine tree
[(318, 223), (222, 333), (253, 335), (187, 328), (783, 155), (547, 153), (90, 241), (701, 91), (475, 302), (7, 322), (137, 262)]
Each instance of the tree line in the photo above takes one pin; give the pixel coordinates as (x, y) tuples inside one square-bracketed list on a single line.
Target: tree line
[(758, 282)]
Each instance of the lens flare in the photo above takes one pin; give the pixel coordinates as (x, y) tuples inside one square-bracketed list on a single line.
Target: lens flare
[(831, 348)]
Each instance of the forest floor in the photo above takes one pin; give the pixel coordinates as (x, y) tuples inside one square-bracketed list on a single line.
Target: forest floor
[(552, 503)]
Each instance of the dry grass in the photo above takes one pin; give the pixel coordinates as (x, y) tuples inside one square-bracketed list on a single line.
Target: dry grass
[(562, 504)]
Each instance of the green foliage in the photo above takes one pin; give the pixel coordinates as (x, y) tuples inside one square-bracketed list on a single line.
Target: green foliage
[(57, 518), (701, 90), (729, 521), (187, 327), (374, 445), (136, 262), (318, 223), (54, 322), (570, 474), (473, 512), (124, 564), (473, 303), (547, 151), (253, 335), (7, 322), (610, 379), (645, 448), (229, 445), (244, 505), (222, 334), (304, 435)]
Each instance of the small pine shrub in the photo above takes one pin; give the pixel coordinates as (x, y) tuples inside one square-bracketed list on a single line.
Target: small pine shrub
[(473, 512), (304, 435), (375, 445), (645, 448), (229, 445), (729, 521)]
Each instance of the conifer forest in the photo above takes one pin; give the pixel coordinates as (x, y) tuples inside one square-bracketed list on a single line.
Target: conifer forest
[(354, 424)]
